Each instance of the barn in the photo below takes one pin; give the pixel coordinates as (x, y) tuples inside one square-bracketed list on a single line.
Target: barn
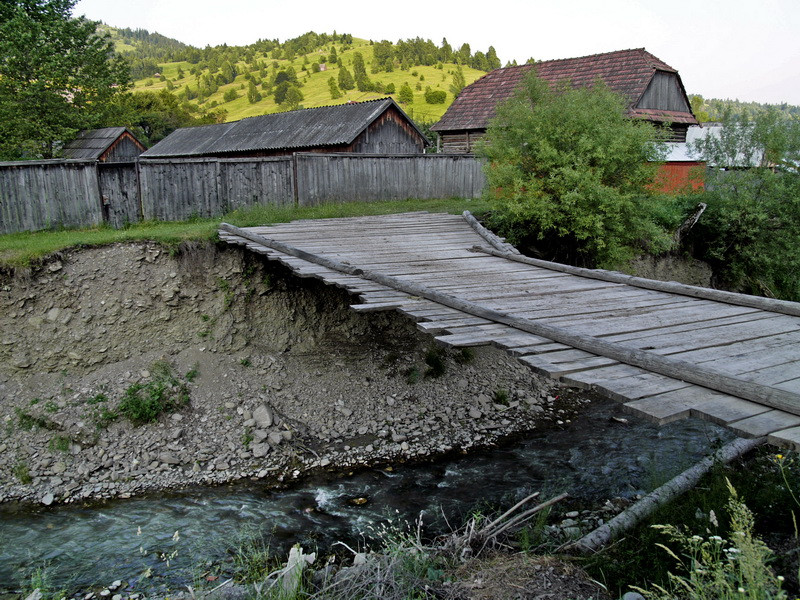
[(373, 127), (654, 91), (109, 144)]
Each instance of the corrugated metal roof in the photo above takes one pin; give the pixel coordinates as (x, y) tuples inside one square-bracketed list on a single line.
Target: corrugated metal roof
[(91, 144), (627, 72), (307, 128)]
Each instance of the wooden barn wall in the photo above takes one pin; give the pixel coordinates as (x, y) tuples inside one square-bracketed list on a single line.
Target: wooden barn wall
[(325, 178), (390, 134), (125, 149), (119, 187), (460, 142), (44, 195)]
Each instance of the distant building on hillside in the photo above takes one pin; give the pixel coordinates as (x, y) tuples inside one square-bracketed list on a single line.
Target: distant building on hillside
[(110, 144), (374, 127), (654, 91)]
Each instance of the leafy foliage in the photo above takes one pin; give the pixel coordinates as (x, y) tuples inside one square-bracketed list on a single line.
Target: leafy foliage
[(56, 75), (144, 402), (568, 172), (750, 232)]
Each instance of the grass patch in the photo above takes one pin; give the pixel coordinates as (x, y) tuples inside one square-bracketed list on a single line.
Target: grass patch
[(145, 402), (59, 443), (22, 472), (22, 249), (28, 421), (501, 397), (435, 363)]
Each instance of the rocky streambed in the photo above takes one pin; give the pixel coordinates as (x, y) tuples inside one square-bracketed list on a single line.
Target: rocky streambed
[(282, 378)]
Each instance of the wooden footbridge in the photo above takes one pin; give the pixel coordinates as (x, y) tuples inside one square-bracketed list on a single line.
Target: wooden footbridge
[(666, 350)]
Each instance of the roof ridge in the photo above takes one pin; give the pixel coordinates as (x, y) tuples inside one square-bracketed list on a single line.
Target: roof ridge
[(305, 109)]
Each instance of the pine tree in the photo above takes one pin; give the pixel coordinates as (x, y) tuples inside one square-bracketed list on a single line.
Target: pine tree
[(406, 94), (345, 79), (335, 93)]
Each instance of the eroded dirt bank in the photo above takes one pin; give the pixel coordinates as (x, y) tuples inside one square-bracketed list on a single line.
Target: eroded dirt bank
[(282, 376)]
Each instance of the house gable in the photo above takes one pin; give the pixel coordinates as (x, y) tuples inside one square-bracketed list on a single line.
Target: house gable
[(652, 88)]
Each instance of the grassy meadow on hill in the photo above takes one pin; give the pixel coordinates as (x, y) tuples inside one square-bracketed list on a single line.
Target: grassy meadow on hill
[(202, 79)]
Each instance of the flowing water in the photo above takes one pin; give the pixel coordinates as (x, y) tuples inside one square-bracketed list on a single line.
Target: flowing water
[(592, 458)]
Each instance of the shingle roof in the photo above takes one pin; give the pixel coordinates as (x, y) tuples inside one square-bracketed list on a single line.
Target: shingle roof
[(308, 128), (627, 72), (91, 144)]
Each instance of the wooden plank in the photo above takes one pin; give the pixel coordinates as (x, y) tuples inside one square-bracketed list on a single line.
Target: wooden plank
[(541, 364), (671, 406), (764, 423), (787, 437), (726, 409), (633, 387)]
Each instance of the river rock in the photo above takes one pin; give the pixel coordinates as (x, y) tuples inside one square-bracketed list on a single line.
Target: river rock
[(475, 413), (48, 498), (275, 438), (168, 458), (260, 450), (263, 416)]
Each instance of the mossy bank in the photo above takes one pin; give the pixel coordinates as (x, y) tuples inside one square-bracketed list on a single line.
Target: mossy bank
[(134, 367)]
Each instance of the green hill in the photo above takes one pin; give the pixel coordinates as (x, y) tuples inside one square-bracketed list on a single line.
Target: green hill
[(244, 81)]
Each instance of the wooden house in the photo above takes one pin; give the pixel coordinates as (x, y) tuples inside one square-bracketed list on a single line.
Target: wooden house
[(110, 144), (653, 89), (374, 127)]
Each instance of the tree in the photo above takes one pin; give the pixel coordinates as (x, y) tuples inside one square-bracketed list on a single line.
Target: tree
[(750, 231), (360, 73), (345, 79), (57, 75), (151, 116), (406, 94), (569, 172), (335, 93), (293, 98), (230, 95), (458, 82), (253, 94), (435, 96)]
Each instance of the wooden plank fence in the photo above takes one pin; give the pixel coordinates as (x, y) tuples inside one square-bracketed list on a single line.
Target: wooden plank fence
[(49, 194), (46, 194)]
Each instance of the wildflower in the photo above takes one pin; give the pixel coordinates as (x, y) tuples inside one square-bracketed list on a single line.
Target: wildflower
[(741, 590), (780, 578), (779, 456), (712, 516), (175, 536), (697, 538), (716, 538)]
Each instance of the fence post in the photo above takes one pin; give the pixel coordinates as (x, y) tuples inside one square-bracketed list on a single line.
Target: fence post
[(295, 183)]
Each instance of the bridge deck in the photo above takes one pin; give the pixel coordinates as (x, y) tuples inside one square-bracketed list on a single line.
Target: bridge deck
[(744, 351)]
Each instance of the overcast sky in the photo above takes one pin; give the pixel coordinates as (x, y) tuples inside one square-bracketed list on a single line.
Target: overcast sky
[(722, 48)]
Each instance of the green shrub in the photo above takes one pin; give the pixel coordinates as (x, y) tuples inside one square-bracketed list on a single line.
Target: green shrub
[(568, 173), (144, 402)]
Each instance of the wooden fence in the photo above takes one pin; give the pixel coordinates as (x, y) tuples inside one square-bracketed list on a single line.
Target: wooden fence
[(47, 194)]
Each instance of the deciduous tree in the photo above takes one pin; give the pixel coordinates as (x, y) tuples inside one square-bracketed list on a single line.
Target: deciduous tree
[(569, 172), (56, 76)]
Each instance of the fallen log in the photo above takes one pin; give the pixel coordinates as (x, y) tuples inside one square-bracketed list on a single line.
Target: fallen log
[(676, 486)]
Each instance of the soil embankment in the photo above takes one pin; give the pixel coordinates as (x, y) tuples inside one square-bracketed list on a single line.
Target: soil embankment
[(282, 377)]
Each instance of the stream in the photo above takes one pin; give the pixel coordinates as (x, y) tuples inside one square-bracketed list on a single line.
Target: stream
[(174, 538)]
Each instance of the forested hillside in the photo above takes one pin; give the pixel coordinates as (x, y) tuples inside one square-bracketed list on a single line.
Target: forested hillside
[(307, 71), (714, 109)]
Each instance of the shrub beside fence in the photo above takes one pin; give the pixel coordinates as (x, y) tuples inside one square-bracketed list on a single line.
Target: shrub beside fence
[(49, 194)]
